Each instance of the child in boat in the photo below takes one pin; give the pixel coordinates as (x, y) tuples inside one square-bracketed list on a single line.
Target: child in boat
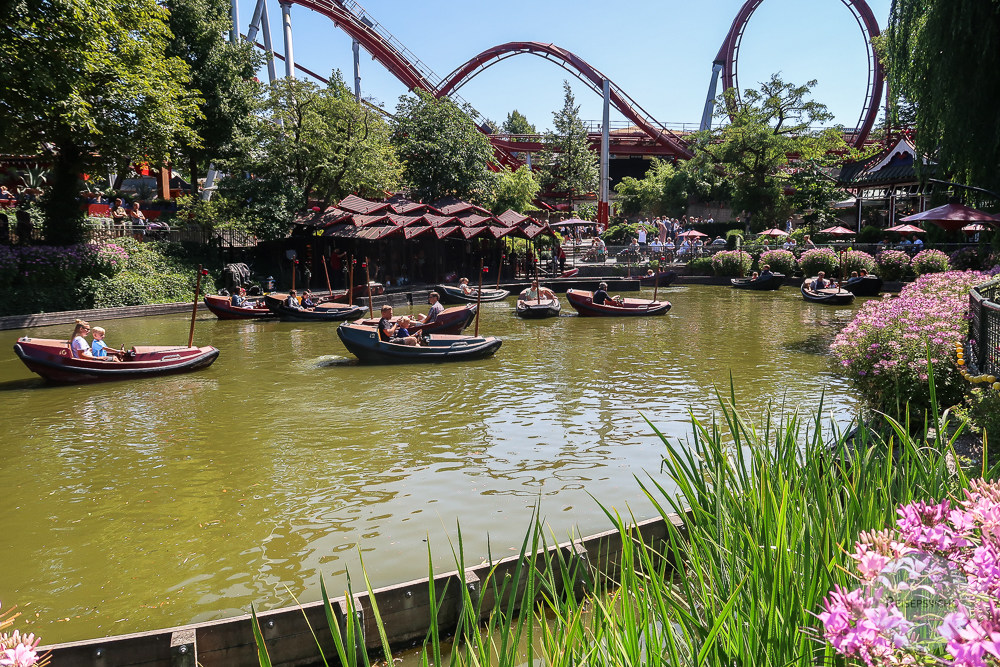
[(78, 343), (99, 348), (390, 332), (463, 285)]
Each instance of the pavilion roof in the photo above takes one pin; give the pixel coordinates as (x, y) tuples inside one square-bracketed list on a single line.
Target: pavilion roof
[(511, 217), (893, 166), (356, 204)]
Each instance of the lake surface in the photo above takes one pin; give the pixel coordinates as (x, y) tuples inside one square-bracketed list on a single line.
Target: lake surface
[(137, 505)]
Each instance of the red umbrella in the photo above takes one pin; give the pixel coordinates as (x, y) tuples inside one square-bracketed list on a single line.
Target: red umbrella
[(837, 231), (776, 233), (905, 229), (692, 234), (951, 216)]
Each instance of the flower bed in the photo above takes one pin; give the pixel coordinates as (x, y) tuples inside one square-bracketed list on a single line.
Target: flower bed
[(731, 263), (893, 264), (930, 261), (780, 261), (819, 259), (884, 350), (856, 260)]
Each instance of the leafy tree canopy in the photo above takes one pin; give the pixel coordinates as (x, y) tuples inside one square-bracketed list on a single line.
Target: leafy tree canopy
[(92, 82), (942, 57), (568, 164), (516, 123), (667, 189), (224, 75), (761, 129), (516, 189), (443, 153)]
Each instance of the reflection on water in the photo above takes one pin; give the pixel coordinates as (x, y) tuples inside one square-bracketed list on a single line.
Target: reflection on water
[(169, 500)]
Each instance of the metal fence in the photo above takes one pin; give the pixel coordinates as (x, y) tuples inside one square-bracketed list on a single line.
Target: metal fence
[(984, 327), (103, 230)]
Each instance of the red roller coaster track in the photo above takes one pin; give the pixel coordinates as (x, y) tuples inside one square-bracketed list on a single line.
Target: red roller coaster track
[(729, 53), (350, 17)]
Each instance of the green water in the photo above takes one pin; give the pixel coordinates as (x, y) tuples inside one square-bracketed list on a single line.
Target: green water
[(137, 505)]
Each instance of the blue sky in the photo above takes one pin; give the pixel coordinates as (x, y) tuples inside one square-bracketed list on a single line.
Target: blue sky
[(659, 52)]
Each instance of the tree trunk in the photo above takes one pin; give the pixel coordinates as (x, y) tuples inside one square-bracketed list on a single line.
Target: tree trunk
[(193, 165), (63, 216)]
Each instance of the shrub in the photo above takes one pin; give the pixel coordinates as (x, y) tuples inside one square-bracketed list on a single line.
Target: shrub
[(781, 261), (884, 350), (981, 409), (104, 260), (819, 259), (731, 263), (855, 260), (44, 265), (893, 264), (700, 266), (965, 259), (930, 261), (869, 234)]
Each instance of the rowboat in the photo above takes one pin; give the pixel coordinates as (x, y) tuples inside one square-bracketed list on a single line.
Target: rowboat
[(53, 360), (832, 296), (223, 308), (584, 304), (772, 283), (324, 312), (340, 296), (451, 321), (363, 342), (454, 295), (537, 309), (663, 279), (866, 286)]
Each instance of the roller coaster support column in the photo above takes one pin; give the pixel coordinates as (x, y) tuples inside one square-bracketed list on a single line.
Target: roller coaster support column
[(271, 74), (259, 14), (286, 22), (357, 71), (706, 116), (602, 204), (234, 33)]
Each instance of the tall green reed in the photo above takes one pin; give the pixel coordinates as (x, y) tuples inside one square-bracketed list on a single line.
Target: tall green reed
[(760, 517)]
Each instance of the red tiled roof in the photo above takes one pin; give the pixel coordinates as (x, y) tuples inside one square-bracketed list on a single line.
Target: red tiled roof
[(531, 231), (439, 220), (370, 233), (470, 219), (356, 204), (452, 206), (406, 220), (365, 220), (416, 230), (499, 232), (442, 232), (470, 232), (512, 217)]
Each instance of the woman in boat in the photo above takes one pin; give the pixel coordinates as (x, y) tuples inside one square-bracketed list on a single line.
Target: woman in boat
[(820, 283), (78, 343), (292, 301)]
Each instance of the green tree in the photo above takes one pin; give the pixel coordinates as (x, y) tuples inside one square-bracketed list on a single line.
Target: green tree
[(328, 144), (941, 57), (516, 189), (764, 127), (667, 189), (516, 123), (224, 75), (443, 153), (568, 165), (92, 83)]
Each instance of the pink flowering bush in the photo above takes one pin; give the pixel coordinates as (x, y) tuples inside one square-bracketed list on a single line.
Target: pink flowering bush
[(819, 259), (930, 261), (731, 263), (106, 259), (893, 264), (780, 261), (16, 650), (930, 589), (855, 260), (884, 349)]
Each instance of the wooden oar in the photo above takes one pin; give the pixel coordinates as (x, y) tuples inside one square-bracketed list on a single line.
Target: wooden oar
[(479, 296), (368, 283), (326, 273), (194, 310), (350, 281)]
